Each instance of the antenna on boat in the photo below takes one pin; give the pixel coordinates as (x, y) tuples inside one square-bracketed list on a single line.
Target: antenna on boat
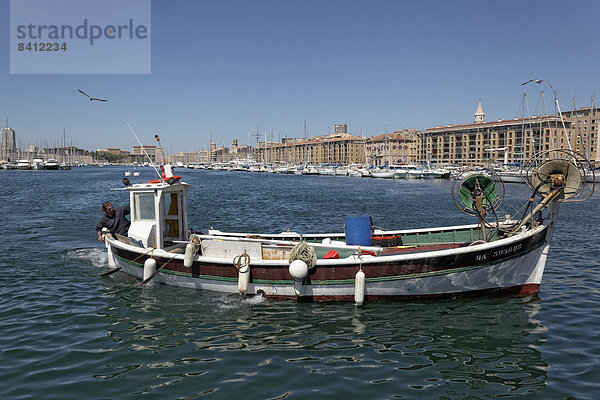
[(144, 150), (161, 149), (164, 164)]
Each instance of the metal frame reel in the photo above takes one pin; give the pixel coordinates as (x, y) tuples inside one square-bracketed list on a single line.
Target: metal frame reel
[(559, 167), (477, 191)]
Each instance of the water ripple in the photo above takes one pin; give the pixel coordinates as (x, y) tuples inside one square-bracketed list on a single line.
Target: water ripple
[(68, 333)]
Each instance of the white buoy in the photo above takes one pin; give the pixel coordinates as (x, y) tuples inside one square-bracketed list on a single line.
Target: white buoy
[(244, 278), (149, 268), (359, 288), (188, 259), (298, 270)]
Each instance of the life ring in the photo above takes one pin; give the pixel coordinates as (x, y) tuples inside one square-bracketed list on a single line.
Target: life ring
[(177, 178)]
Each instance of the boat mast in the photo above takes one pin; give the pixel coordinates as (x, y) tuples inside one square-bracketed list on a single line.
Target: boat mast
[(574, 110), (541, 138), (249, 147), (306, 153), (559, 113), (364, 142), (522, 131), (591, 128)]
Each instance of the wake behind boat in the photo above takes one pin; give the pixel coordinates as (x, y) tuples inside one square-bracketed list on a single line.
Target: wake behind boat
[(488, 257)]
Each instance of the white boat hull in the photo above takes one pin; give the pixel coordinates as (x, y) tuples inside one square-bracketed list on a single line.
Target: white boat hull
[(513, 265)]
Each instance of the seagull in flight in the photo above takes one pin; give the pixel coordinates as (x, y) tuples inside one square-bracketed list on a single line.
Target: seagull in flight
[(538, 81), (91, 98)]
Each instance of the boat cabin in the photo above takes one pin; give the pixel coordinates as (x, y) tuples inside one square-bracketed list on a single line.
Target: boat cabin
[(158, 214)]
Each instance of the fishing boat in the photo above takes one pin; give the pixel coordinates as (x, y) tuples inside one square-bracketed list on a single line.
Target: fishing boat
[(490, 256)]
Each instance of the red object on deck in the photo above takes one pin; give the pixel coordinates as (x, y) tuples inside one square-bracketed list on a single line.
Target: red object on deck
[(331, 254)]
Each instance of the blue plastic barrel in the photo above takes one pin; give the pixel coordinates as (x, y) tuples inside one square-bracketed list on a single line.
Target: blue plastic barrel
[(358, 231)]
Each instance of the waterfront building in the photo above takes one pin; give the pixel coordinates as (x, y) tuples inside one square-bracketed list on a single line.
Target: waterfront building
[(399, 147), (332, 149), (114, 150), (189, 157), (139, 153), (513, 140), (8, 145)]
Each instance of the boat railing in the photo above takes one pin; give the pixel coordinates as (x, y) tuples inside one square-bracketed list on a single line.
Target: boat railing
[(329, 244)]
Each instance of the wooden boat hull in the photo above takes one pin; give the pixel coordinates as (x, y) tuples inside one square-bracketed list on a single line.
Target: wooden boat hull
[(511, 265)]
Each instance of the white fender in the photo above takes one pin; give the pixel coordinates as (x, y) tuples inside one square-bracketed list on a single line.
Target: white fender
[(149, 268), (188, 259), (244, 278), (359, 288)]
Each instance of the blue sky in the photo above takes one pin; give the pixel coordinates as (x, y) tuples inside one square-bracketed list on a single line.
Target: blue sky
[(231, 67)]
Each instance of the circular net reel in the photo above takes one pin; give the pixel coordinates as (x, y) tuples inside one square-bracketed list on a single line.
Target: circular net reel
[(477, 192), (554, 168)]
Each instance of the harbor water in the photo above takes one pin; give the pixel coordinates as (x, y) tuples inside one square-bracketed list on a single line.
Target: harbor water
[(67, 333)]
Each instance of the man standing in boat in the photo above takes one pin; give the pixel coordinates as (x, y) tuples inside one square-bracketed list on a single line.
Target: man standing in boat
[(114, 220)]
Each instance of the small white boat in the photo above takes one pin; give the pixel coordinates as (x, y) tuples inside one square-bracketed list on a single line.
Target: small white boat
[(382, 173), (128, 173), (407, 171), (511, 176), (341, 171), (23, 164), (37, 163), (52, 164), (326, 170), (310, 170)]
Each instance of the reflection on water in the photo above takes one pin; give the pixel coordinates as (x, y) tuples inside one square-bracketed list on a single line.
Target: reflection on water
[(480, 346)]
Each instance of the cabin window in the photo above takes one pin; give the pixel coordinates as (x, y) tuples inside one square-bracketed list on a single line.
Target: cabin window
[(172, 214), (143, 206)]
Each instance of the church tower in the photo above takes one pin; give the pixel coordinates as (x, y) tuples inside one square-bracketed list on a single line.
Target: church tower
[(479, 114)]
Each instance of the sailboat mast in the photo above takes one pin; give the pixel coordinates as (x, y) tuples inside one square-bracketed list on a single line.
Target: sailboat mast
[(523, 128), (592, 113), (306, 157), (557, 107), (541, 138), (573, 110)]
